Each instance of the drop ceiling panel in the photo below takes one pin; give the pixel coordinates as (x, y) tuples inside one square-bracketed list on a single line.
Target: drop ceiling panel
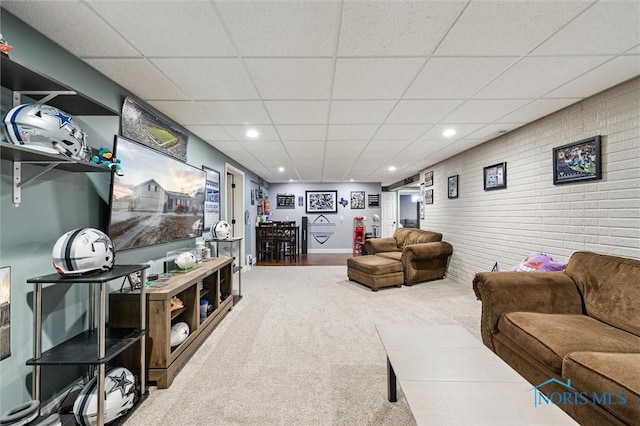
[(394, 28), (310, 175), (507, 27), (535, 110), (556, 70), (491, 131), (262, 148), (416, 111), (291, 78), (228, 146), (607, 27), (298, 112), (484, 111), (184, 112), (345, 146), (270, 28), (391, 132), (165, 28), (210, 133), (450, 78), (208, 78), (388, 146), (462, 130), (606, 75), (53, 20), (140, 77), (359, 112), (316, 147), (302, 133), (374, 78), (236, 112), (354, 132), (299, 157), (267, 132)]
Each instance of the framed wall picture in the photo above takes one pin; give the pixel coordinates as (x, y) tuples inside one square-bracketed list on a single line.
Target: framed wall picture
[(5, 312), (452, 186), (285, 201), (428, 196), (428, 178), (495, 177), (321, 201), (212, 197), (357, 199), (577, 161), (373, 200)]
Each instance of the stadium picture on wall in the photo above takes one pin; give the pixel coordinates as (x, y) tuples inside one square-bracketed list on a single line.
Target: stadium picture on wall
[(143, 126)]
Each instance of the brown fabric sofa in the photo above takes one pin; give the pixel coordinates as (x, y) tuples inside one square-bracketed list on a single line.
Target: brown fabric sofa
[(423, 254), (579, 327)]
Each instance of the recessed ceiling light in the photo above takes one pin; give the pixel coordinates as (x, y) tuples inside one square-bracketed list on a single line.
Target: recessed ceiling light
[(281, 169), (448, 132), (252, 133), (392, 168)]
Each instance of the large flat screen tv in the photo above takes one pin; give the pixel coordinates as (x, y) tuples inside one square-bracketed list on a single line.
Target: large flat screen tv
[(158, 199)]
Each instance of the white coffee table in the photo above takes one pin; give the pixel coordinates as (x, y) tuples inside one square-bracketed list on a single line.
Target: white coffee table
[(449, 377)]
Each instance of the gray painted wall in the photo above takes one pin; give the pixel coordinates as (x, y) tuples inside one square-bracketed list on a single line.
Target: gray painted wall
[(341, 240), (56, 203)]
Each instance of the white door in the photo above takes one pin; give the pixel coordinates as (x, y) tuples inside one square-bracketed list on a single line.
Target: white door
[(389, 213), (234, 203)]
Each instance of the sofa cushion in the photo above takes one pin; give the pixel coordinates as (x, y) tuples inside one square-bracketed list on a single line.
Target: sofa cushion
[(610, 288), (405, 236), (550, 337), (612, 374), (395, 255)]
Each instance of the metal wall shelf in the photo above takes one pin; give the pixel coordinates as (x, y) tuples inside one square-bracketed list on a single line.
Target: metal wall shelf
[(21, 78), (20, 155)]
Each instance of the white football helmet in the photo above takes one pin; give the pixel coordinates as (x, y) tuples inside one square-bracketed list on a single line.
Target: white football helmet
[(179, 333), (46, 128), (220, 230), (121, 393), (83, 250)]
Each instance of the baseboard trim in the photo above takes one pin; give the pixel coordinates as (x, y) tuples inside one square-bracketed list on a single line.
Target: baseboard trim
[(329, 251)]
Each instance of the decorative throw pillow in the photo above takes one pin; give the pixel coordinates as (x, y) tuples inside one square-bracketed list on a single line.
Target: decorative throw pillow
[(540, 262)]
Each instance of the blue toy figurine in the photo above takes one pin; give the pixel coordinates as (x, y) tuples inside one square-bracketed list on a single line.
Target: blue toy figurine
[(105, 157)]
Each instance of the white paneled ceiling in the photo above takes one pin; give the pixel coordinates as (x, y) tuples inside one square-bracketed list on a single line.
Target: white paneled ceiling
[(343, 89)]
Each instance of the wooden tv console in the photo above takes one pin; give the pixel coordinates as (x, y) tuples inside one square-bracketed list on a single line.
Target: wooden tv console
[(211, 281)]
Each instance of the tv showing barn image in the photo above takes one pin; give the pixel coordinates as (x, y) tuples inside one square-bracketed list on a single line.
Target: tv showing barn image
[(158, 199)]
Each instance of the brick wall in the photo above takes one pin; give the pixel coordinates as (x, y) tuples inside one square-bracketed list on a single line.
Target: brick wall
[(532, 214)]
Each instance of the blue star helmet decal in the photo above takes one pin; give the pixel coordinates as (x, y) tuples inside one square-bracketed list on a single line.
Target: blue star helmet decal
[(121, 383), (64, 119)]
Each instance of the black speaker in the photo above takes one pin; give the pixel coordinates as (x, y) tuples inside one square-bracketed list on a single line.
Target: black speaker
[(305, 234)]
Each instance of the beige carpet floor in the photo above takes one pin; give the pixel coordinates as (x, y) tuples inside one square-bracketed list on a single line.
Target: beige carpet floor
[(301, 349)]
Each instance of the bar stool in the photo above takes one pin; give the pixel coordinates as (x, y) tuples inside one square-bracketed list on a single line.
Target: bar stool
[(267, 242), (288, 240)]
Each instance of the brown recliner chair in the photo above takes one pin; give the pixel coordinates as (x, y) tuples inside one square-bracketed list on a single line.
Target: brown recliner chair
[(423, 254)]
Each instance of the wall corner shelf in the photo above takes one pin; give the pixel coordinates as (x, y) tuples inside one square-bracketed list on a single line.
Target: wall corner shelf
[(20, 155)]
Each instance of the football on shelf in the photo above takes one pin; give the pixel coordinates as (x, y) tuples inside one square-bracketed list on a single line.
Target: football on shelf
[(186, 260), (179, 333)]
